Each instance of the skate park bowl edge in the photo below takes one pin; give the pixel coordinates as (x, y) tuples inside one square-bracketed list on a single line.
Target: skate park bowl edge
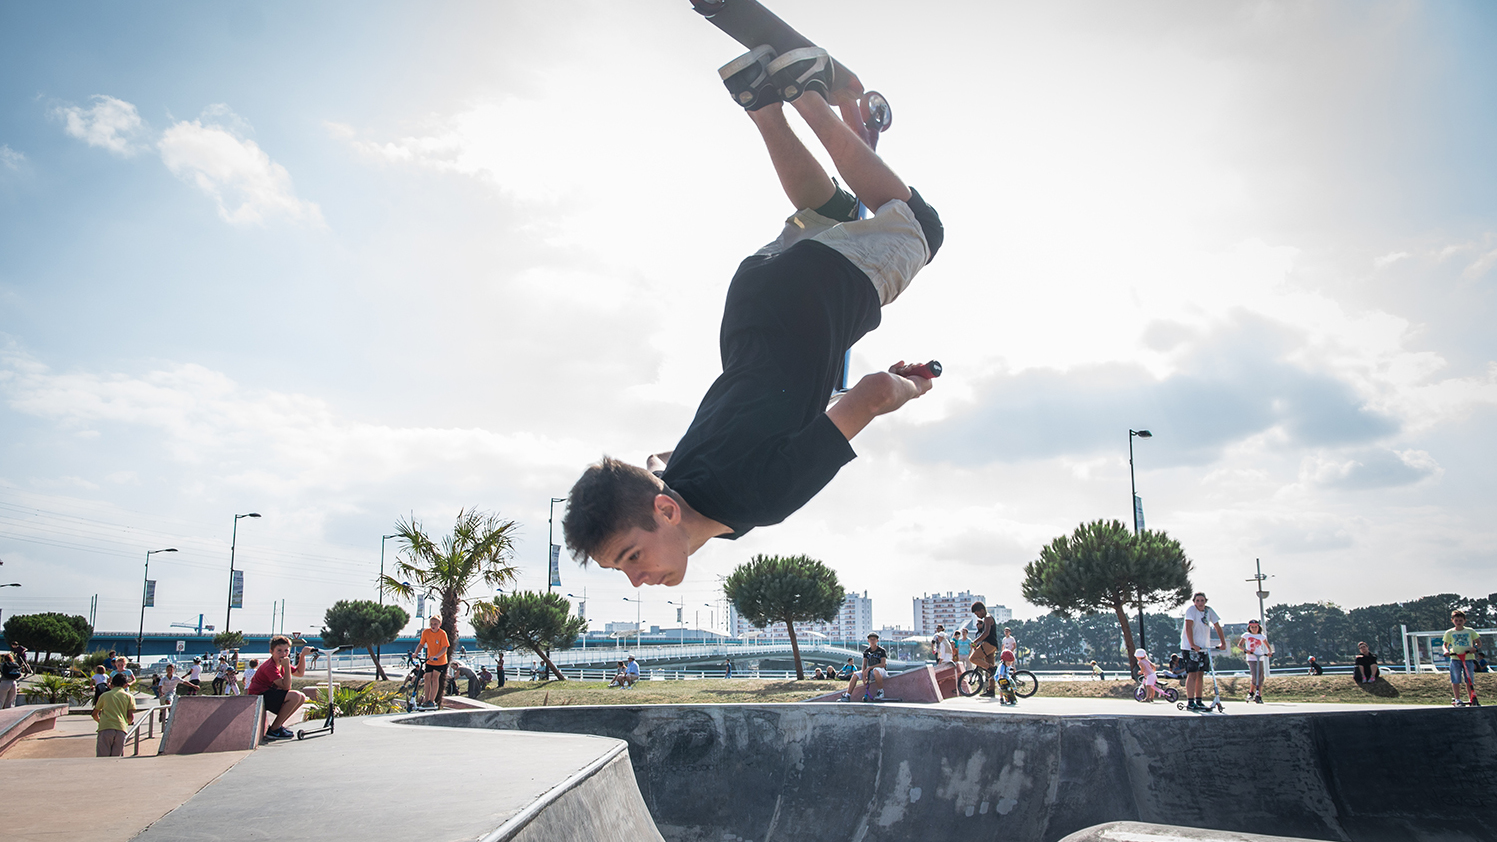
[(786, 773)]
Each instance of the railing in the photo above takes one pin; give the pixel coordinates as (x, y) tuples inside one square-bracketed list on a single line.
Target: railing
[(149, 720)]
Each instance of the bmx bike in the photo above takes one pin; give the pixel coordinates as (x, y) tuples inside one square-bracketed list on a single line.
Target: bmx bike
[(976, 680), (413, 689)]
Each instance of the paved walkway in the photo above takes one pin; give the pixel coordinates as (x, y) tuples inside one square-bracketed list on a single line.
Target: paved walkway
[(72, 736)]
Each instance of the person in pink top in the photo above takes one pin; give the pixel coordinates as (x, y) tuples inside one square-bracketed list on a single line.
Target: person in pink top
[(272, 681), (1148, 672)]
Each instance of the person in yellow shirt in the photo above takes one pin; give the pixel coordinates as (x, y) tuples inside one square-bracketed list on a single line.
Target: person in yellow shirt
[(1461, 642), (115, 713), (436, 643)]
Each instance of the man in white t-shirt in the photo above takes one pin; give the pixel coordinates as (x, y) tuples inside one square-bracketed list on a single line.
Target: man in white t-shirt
[(1195, 641), (1009, 643), (941, 645)]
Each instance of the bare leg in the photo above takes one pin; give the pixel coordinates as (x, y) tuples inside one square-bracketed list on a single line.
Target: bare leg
[(864, 171), (806, 184)]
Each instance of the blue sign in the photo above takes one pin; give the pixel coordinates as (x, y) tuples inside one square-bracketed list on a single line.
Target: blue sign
[(150, 593)]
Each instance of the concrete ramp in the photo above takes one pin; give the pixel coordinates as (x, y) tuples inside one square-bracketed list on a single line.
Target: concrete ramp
[(201, 724), (787, 773)]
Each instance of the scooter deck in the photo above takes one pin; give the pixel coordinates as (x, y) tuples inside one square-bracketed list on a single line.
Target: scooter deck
[(750, 24)]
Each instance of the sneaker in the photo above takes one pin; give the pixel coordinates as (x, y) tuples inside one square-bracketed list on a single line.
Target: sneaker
[(805, 69), (879, 696), (747, 79), (845, 697), (270, 737), (283, 734)]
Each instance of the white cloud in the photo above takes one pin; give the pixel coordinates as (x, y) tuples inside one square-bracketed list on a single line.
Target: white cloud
[(240, 177), (12, 159), (1389, 259), (111, 124)]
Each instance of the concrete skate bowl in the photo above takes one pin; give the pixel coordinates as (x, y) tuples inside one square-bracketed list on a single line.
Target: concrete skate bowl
[(786, 773)]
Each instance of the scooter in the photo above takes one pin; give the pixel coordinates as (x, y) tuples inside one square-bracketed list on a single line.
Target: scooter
[(332, 709)]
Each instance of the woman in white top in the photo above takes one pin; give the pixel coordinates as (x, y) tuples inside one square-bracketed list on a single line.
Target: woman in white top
[(944, 651), (1255, 644)]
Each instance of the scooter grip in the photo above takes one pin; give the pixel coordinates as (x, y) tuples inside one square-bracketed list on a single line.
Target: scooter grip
[(930, 370)]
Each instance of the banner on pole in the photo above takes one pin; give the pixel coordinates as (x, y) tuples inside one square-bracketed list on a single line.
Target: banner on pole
[(150, 593), (555, 565), (420, 606), (236, 590), (1138, 513)]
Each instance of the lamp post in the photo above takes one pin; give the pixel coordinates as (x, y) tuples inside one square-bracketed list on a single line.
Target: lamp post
[(1138, 526), (581, 612), (382, 539), (144, 585), (550, 540), (9, 585), (1259, 579), (233, 542), (637, 628), (680, 618)]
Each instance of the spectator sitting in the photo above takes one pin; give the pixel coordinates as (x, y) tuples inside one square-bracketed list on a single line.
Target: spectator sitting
[(484, 677), (1315, 667), (631, 672), (1175, 670), (1366, 670), (847, 670), (272, 682), (618, 676), (1481, 662), (818, 676)]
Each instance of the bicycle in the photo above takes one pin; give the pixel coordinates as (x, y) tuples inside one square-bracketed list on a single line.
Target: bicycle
[(975, 680), (413, 689)]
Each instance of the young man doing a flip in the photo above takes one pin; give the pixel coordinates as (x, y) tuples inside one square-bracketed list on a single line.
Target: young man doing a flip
[(763, 441)]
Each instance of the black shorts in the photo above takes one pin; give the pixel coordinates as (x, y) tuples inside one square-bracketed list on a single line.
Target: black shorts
[(1193, 661), (274, 698), (439, 669)]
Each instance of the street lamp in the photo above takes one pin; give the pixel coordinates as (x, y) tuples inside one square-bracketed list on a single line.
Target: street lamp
[(1259, 579), (382, 540), (550, 540), (1138, 519), (680, 618), (144, 586), (637, 629), (581, 612), (232, 543)]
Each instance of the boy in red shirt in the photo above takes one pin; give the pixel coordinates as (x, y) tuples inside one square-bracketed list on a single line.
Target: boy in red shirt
[(272, 681)]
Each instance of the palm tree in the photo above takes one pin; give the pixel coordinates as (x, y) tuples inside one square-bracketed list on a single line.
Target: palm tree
[(478, 551)]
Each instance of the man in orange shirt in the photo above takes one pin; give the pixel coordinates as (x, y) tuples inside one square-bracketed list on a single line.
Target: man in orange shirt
[(436, 643)]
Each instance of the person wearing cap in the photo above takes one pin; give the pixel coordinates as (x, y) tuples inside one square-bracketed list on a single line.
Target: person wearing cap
[(1149, 672), (941, 647), (1315, 668), (631, 672)]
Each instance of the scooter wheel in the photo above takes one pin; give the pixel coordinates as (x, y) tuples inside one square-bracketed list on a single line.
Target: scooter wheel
[(1180, 705), (300, 734)]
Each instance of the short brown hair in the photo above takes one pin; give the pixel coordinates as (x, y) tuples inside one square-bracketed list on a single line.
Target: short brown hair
[(611, 497), (1458, 613), (279, 640)]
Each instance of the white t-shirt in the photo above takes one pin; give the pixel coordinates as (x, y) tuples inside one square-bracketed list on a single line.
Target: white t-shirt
[(944, 650), (169, 684), (1255, 645), (196, 673), (1009, 644), (1202, 622)]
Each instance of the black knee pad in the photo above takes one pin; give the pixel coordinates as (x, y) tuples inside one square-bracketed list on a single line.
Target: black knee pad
[(930, 223)]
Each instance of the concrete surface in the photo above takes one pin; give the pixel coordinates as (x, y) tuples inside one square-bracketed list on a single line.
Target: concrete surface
[(100, 799), (75, 736), (908, 772), (200, 724), (21, 721), (1126, 707), (431, 784)]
